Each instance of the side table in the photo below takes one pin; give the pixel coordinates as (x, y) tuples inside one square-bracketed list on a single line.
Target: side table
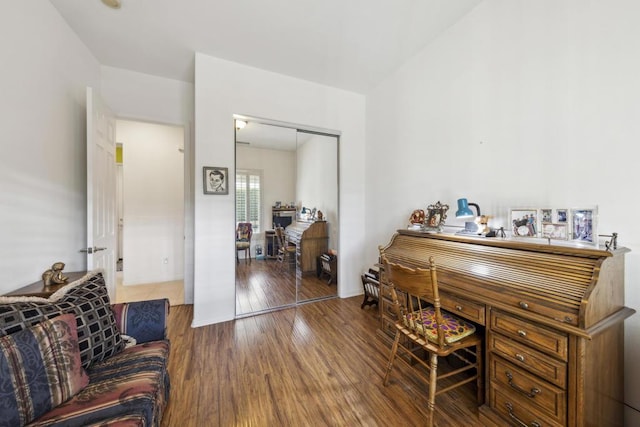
[(38, 289)]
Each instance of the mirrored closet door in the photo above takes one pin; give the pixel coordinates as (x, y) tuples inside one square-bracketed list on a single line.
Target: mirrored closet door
[(287, 189)]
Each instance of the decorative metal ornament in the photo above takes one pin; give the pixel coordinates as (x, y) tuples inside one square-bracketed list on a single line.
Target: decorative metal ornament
[(54, 275)]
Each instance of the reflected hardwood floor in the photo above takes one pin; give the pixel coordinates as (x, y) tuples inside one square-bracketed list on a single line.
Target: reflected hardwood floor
[(173, 290), (317, 364), (266, 284)]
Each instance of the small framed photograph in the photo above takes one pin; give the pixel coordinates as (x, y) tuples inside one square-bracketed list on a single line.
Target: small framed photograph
[(278, 205), (215, 180), (524, 222), (555, 231), (545, 216), (583, 225), (435, 216), (561, 215)]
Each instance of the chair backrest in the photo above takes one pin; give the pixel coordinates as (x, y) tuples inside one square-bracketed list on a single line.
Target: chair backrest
[(244, 231), (421, 289), (280, 237)]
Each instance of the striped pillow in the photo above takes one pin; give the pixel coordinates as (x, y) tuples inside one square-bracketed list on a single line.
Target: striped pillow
[(39, 369)]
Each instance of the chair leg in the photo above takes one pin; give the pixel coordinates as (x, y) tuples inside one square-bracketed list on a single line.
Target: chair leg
[(237, 258), (480, 368), (247, 253), (392, 356), (433, 377)]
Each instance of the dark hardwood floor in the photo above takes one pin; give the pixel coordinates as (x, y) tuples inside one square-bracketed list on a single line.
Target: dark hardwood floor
[(267, 284), (318, 364)]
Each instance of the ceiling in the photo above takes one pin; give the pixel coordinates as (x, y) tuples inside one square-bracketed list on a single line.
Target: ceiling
[(260, 135), (348, 44), (269, 136)]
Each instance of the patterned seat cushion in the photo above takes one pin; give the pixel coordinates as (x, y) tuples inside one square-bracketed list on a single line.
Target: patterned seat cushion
[(130, 388), (424, 323), (39, 369), (243, 245), (87, 299)]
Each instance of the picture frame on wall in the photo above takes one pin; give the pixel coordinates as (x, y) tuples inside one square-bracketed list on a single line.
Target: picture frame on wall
[(546, 216), (555, 231), (524, 222), (215, 180), (584, 225)]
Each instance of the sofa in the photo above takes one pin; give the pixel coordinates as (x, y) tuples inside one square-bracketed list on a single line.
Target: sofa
[(74, 359)]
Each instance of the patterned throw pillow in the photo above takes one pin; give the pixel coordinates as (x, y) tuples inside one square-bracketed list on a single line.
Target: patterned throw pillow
[(144, 320), (39, 369), (87, 298)]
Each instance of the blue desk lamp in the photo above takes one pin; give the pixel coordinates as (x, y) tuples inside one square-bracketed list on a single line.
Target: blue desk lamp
[(470, 227)]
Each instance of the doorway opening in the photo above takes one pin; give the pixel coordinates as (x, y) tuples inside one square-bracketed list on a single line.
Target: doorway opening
[(150, 191)]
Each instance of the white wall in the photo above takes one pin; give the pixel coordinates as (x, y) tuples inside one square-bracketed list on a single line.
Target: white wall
[(278, 181), (538, 102), (153, 226), (317, 180), (43, 78), (223, 88)]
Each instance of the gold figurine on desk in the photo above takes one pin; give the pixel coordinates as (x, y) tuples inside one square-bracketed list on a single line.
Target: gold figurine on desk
[(54, 276)]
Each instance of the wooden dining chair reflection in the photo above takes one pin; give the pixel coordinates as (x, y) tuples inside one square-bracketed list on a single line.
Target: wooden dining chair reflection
[(244, 231), (286, 251)]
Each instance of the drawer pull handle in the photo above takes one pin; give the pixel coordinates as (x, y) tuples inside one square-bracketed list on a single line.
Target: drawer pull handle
[(459, 307), (509, 406), (522, 333), (534, 391), (524, 305), (520, 357)]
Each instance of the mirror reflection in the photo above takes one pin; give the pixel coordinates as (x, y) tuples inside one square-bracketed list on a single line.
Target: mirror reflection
[(287, 216)]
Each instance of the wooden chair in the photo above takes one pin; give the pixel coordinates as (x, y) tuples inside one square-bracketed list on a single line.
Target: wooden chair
[(436, 331), (371, 285), (244, 231), (286, 252)]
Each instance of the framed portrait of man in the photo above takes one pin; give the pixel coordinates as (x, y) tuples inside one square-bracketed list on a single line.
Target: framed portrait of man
[(215, 180)]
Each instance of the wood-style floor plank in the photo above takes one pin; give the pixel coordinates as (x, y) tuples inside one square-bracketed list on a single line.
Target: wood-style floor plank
[(267, 284), (319, 364)]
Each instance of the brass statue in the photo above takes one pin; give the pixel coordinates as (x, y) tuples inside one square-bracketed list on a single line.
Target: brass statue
[(54, 275)]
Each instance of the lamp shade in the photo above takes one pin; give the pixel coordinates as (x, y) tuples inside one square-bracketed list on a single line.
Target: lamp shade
[(463, 209)]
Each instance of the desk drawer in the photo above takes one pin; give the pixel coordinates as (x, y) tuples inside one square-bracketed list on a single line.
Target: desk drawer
[(388, 309), (388, 326), (463, 307), (385, 291), (518, 413), (528, 390), (536, 362), (548, 340)]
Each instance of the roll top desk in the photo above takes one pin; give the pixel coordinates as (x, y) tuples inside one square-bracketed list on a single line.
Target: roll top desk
[(311, 240), (553, 318)]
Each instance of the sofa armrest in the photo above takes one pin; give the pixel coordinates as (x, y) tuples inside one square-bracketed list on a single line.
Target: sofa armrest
[(143, 320)]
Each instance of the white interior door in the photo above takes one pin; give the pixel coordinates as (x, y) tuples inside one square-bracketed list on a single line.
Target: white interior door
[(101, 189)]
